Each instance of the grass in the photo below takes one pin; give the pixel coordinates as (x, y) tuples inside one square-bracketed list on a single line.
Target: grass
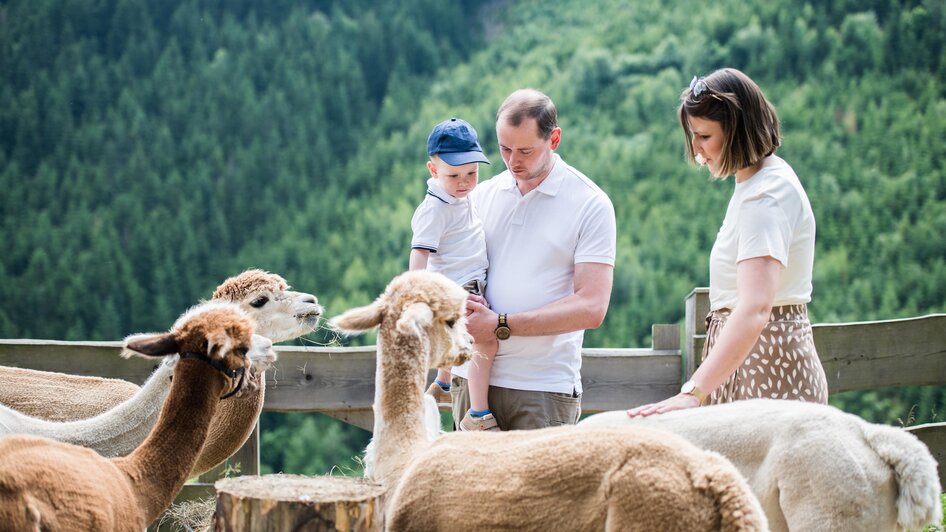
[(941, 527)]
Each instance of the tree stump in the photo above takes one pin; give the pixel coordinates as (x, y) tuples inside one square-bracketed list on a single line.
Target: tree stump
[(280, 503)]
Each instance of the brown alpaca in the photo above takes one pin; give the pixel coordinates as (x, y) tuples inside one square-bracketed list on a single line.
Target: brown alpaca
[(562, 478), (279, 314), (49, 485)]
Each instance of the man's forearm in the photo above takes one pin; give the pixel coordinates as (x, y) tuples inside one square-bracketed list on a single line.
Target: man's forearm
[(572, 313), (584, 309)]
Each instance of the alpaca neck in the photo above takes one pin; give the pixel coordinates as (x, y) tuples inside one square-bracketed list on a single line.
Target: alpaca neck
[(232, 424), (158, 467), (115, 432), (399, 404)]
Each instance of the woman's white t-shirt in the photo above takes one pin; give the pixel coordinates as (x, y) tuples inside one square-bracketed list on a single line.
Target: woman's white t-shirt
[(768, 216)]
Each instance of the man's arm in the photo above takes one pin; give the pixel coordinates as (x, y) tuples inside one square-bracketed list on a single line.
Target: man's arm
[(584, 309)]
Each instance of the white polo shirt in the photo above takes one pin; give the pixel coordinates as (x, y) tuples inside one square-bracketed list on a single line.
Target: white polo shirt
[(450, 229), (768, 216), (533, 243)]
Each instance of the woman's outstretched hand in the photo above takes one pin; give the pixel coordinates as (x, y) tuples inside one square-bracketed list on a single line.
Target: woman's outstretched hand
[(681, 401)]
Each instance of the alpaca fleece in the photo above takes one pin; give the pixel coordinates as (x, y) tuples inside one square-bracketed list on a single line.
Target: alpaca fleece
[(59, 396), (564, 478), (812, 466)]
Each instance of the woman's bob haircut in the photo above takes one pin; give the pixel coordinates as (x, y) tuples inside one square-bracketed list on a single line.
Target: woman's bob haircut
[(749, 123)]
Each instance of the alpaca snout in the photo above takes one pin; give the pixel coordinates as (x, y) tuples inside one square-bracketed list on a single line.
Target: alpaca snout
[(313, 312), (308, 304), (462, 355), (261, 354)]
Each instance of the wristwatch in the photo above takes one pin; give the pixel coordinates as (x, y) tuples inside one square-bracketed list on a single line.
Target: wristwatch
[(689, 388), (502, 330)]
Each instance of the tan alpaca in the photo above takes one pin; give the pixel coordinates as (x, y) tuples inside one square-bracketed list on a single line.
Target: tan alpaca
[(49, 485), (124, 414), (60, 396), (561, 478)]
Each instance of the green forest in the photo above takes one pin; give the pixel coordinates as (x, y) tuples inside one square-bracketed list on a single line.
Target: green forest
[(149, 150)]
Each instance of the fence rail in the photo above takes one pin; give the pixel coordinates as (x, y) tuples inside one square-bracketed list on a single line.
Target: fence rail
[(339, 381)]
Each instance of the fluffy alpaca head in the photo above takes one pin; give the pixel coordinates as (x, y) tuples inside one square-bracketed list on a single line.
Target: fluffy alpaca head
[(280, 314), (218, 329), (418, 303)]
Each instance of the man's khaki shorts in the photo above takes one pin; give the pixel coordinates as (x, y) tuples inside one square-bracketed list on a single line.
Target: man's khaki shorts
[(520, 409)]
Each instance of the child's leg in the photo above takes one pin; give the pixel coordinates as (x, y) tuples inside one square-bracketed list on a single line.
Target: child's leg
[(479, 371), (440, 389), (443, 377)]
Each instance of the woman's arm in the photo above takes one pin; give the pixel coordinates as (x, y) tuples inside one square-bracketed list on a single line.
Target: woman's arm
[(756, 284)]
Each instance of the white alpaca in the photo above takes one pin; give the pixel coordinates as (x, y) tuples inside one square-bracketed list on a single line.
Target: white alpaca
[(279, 315), (552, 479), (813, 467), (50, 485)]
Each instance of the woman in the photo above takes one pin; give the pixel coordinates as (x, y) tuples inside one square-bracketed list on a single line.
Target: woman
[(758, 337)]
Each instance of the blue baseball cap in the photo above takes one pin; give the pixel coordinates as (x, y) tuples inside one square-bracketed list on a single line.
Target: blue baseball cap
[(455, 142)]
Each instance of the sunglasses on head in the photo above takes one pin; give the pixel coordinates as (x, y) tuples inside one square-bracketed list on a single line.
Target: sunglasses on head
[(697, 87)]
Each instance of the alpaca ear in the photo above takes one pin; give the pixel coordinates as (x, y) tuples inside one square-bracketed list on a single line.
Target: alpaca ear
[(219, 344), (415, 317), (152, 345), (358, 319)]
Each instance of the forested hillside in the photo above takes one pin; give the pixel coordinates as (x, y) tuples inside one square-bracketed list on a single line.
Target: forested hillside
[(146, 146), (148, 150)]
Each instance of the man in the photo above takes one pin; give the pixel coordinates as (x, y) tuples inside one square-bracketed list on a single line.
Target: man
[(550, 236)]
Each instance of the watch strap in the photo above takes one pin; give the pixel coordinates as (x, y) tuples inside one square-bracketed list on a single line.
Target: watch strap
[(690, 388)]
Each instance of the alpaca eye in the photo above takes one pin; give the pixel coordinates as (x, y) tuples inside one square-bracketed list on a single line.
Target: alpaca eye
[(451, 323), (259, 302)]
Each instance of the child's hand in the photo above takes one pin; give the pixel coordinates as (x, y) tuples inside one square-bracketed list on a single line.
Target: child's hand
[(480, 320), (476, 299)]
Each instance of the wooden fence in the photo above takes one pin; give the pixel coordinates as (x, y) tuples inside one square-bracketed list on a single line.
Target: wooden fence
[(339, 381)]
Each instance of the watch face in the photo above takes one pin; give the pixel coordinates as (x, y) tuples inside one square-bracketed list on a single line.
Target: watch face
[(502, 332)]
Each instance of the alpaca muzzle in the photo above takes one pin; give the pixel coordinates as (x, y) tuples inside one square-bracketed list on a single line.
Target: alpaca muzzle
[(219, 365)]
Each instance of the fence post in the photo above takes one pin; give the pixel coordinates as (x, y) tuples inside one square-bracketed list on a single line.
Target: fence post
[(665, 337), (697, 306)]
